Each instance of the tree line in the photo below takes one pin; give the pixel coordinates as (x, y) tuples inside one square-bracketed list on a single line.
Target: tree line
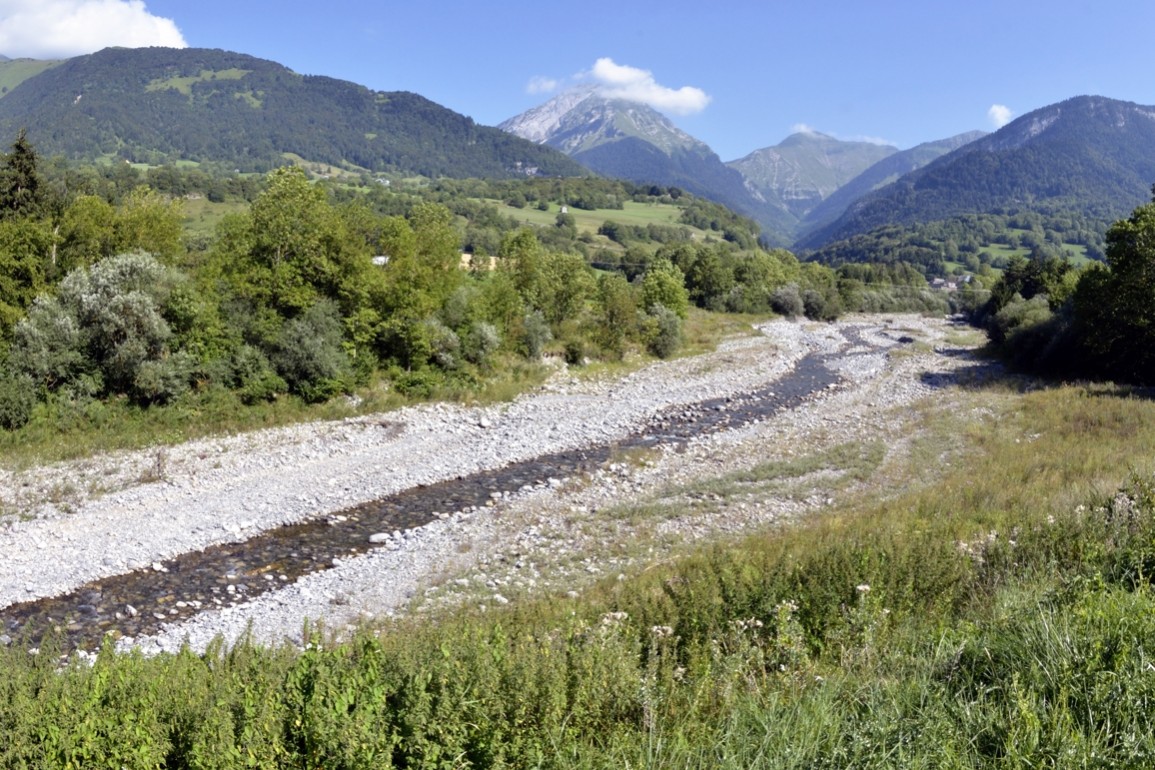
[(1047, 317)]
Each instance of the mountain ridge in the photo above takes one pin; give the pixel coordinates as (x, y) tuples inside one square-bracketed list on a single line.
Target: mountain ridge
[(165, 104), (807, 167), (1088, 154)]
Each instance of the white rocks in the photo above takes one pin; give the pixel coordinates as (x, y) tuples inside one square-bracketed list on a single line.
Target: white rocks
[(224, 488)]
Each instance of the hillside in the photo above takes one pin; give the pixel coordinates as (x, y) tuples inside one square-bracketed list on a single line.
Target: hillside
[(161, 105), (882, 173), (806, 168), (1090, 156)]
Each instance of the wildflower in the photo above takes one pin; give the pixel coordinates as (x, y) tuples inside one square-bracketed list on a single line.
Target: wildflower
[(863, 588), (661, 632)]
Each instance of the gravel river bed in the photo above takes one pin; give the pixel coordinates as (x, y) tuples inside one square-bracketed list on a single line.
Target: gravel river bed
[(337, 522)]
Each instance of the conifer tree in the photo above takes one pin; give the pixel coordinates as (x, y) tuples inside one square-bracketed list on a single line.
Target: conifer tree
[(20, 193)]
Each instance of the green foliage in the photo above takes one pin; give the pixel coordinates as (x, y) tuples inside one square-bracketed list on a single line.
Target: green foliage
[(108, 322), (1104, 329), (17, 400), (20, 186), (617, 314), (536, 334), (309, 356), (787, 301), (23, 244), (663, 331), (663, 285)]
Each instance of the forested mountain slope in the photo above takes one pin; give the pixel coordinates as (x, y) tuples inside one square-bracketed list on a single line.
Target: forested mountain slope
[(162, 104), (1089, 155)]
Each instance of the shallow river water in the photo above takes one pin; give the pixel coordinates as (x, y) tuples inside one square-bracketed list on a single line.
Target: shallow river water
[(140, 602)]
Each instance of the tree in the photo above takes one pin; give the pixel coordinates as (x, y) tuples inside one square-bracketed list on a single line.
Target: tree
[(664, 285), (20, 193), (24, 246), (1115, 306), (619, 313)]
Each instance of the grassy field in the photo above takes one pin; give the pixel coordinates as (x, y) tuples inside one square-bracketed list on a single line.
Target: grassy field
[(632, 213), (16, 71), (1076, 253)]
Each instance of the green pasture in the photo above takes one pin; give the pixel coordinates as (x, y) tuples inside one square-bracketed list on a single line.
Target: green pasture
[(632, 213), (15, 72), (184, 85)]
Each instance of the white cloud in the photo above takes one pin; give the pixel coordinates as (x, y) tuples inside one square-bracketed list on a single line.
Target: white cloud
[(1000, 115), (541, 85), (623, 82), (49, 29), (802, 128)]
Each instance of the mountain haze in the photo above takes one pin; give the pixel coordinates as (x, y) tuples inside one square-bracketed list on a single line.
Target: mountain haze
[(882, 173), (630, 140), (1089, 155), (160, 105), (806, 168)]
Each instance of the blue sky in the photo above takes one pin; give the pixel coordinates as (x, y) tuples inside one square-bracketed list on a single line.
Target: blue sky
[(739, 76)]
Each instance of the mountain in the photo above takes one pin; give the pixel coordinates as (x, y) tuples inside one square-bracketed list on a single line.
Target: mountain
[(629, 140), (163, 104), (806, 168), (882, 173), (1089, 155)]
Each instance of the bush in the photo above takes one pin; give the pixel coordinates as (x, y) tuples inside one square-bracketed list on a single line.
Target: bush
[(536, 334), (420, 384), (107, 320), (575, 352), (787, 301), (480, 342), (254, 377), (163, 380), (663, 332), (444, 344), (309, 354), (17, 400)]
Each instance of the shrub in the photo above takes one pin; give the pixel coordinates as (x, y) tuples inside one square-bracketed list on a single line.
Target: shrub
[(17, 400), (160, 381), (575, 352), (445, 345), (420, 384), (663, 332), (480, 342), (787, 301), (309, 354), (107, 319), (665, 285), (254, 377), (536, 334)]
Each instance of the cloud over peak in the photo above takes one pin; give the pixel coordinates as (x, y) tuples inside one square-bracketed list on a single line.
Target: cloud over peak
[(623, 82), (1000, 115), (50, 29), (619, 81)]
